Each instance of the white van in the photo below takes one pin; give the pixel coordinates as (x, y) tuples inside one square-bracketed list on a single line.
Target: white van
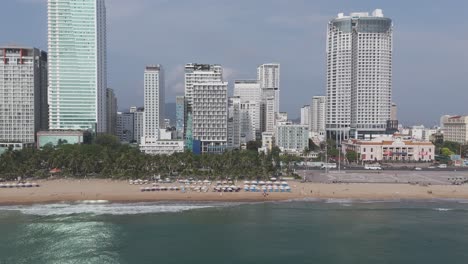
[(372, 167), (328, 166)]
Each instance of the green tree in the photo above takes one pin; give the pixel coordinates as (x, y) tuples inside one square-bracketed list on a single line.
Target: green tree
[(351, 156)]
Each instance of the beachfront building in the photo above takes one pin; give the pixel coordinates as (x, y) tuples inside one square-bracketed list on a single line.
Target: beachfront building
[(305, 115), (250, 121), (60, 137), (138, 124), (234, 123), (125, 127), (292, 138), (359, 75), (318, 115), (196, 73), (455, 129), (209, 116), (77, 65), (111, 111), (390, 149), (268, 78), (163, 147), (23, 96), (180, 112), (247, 90)]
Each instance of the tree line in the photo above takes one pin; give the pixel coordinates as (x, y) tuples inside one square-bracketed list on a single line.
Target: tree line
[(107, 158)]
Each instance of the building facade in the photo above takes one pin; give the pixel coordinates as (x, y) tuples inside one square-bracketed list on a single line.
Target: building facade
[(77, 65), (293, 139), (305, 115), (154, 102), (23, 95), (248, 90), (180, 113), (318, 114), (125, 127), (250, 121), (268, 78), (234, 123), (456, 129), (138, 124), (111, 111), (209, 116), (390, 149), (359, 74)]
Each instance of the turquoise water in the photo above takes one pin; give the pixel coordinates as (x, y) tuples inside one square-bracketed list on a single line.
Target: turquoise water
[(333, 231)]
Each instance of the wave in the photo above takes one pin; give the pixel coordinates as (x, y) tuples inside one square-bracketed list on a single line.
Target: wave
[(102, 207), (443, 209)]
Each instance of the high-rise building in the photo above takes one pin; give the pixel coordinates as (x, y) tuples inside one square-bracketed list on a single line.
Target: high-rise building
[(268, 77), (209, 116), (359, 74), (305, 115), (247, 90), (154, 102), (197, 74), (234, 123), (138, 124), (200, 73), (318, 114), (23, 95), (125, 127), (250, 121), (250, 96), (111, 111), (77, 65), (180, 112)]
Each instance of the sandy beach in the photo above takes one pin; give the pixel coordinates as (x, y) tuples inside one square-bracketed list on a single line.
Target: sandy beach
[(63, 190)]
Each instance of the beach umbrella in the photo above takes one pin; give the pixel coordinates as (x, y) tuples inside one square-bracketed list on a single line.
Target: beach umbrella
[(284, 183), (253, 182), (28, 184), (269, 182), (2, 185), (142, 189), (206, 181), (246, 182), (273, 178), (130, 182), (261, 182)]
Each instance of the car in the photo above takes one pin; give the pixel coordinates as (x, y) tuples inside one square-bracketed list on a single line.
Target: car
[(431, 167), (417, 168), (442, 166)]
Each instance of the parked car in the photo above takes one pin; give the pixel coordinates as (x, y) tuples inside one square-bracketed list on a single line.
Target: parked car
[(417, 168), (442, 166), (372, 167)]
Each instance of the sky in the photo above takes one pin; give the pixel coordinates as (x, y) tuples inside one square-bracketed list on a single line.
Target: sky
[(430, 63)]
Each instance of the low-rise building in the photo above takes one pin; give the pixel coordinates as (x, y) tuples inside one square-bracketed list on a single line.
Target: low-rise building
[(59, 137), (292, 138), (390, 149), (268, 141), (162, 147)]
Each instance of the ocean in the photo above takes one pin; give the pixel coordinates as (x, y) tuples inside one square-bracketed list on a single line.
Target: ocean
[(312, 231)]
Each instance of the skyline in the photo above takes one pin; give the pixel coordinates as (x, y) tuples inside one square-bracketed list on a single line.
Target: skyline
[(429, 61)]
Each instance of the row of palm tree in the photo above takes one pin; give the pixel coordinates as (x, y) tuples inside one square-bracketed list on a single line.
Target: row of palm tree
[(106, 158)]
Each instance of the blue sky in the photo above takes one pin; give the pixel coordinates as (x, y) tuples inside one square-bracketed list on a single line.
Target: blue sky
[(430, 76)]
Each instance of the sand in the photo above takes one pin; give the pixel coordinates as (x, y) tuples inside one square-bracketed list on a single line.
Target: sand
[(52, 191)]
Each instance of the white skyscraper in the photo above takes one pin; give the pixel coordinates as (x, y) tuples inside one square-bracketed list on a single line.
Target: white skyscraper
[(154, 102), (268, 77), (250, 96), (23, 95), (305, 115), (247, 90), (359, 74), (77, 65), (234, 123), (209, 116), (318, 114), (200, 73)]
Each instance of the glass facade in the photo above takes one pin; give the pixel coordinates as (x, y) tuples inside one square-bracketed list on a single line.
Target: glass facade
[(77, 65)]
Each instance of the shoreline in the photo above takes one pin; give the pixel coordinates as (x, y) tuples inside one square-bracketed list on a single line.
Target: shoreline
[(111, 191)]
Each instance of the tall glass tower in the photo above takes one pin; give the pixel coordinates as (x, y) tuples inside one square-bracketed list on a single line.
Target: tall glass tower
[(77, 65)]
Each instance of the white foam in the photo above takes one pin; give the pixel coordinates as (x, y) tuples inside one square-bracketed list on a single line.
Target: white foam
[(443, 209), (339, 201), (104, 208)]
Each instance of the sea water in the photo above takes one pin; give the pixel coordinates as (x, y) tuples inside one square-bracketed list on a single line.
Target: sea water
[(308, 231)]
